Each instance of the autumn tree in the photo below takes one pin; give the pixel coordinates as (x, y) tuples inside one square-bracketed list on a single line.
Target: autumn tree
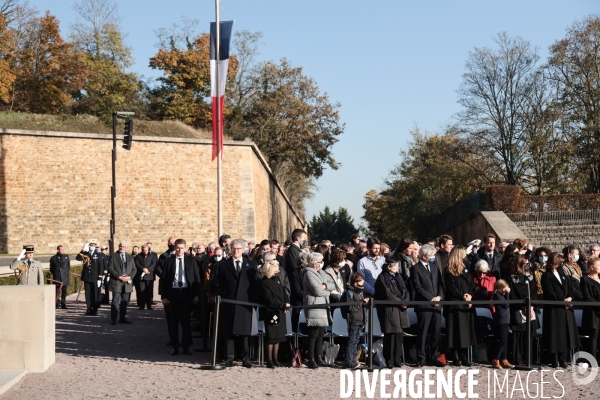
[(574, 66), (97, 36), (7, 77), (47, 69)]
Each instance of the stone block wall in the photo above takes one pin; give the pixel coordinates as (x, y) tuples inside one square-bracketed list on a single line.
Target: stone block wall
[(55, 189), (557, 237)]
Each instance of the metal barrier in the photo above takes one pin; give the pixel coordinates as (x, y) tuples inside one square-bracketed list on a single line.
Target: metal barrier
[(553, 218)]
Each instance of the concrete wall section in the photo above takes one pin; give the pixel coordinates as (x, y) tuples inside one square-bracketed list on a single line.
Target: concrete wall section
[(477, 226), (55, 189), (27, 335)]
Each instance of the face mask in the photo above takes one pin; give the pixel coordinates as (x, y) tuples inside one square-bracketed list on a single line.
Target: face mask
[(246, 251), (263, 253), (303, 244), (92, 249), (321, 265), (576, 258), (432, 259), (543, 260), (359, 288), (343, 263), (218, 258), (171, 247)]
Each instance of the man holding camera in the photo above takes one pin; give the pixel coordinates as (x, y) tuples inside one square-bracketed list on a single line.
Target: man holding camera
[(121, 269)]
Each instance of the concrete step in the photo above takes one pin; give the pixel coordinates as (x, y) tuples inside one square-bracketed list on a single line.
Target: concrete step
[(9, 377)]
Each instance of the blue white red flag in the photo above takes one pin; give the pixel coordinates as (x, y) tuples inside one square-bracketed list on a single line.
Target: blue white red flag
[(225, 40)]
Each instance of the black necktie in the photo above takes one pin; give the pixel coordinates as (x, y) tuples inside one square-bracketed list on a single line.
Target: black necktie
[(180, 272), (124, 267), (29, 263), (237, 267)]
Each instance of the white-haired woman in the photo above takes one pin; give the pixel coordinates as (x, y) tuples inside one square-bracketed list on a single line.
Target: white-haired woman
[(484, 282), (317, 288), (276, 301)]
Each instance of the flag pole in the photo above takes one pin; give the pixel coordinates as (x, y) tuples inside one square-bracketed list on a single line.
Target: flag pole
[(219, 116)]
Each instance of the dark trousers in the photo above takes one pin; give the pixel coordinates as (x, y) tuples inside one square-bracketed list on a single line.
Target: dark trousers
[(315, 341), (180, 305), (119, 304), (144, 292), (501, 338), (519, 347), (92, 301), (592, 345), (237, 344), (428, 322), (392, 348), (295, 318), (63, 295)]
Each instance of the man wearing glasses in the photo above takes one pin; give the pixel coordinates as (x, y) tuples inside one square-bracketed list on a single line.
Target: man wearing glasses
[(370, 265)]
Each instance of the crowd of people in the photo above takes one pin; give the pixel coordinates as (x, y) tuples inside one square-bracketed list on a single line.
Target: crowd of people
[(283, 277)]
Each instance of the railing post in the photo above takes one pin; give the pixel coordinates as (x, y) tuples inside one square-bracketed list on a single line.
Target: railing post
[(213, 366), (370, 337), (528, 366)]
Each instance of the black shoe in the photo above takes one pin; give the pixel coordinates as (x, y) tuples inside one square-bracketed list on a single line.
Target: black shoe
[(175, 352), (94, 314), (397, 365), (277, 364), (390, 366), (229, 363), (437, 363), (149, 308), (187, 352), (124, 321), (140, 308), (246, 364), (320, 362), (564, 365), (457, 363), (113, 322), (270, 364), (64, 306), (312, 364), (465, 361), (554, 365), (88, 313), (420, 364)]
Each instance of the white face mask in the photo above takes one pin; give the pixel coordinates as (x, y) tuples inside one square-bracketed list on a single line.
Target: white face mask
[(343, 263), (92, 249), (321, 265), (218, 258), (264, 252)]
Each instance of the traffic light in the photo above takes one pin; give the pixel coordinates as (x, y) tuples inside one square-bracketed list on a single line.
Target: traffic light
[(128, 138)]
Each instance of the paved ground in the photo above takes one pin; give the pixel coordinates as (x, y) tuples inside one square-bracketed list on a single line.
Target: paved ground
[(96, 360)]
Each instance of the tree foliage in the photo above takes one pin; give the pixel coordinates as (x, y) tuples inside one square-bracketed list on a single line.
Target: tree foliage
[(336, 226)]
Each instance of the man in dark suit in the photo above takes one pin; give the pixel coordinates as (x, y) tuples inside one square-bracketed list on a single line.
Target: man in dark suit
[(180, 288), (94, 265), (60, 267), (145, 264), (426, 282), (122, 270), (489, 253), (237, 281), (292, 255)]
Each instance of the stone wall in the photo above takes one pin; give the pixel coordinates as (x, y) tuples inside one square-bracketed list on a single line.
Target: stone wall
[(55, 189), (556, 237), (479, 224)]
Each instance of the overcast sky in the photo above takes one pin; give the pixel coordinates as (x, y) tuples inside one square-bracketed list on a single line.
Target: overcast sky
[(391, 64)]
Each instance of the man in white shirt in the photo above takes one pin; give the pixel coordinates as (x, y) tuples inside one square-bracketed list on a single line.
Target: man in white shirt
[(370, 265)]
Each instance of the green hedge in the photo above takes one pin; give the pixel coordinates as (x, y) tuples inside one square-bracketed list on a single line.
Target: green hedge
[(74, 283)]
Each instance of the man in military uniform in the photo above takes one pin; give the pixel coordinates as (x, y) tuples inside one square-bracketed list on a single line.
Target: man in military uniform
[(94, 265), (28, 270), (60, 267)]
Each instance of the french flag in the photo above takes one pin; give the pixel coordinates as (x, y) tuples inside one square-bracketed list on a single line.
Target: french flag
[(225, 40)]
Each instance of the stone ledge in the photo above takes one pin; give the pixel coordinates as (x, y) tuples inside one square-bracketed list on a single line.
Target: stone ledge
[(9, 377)]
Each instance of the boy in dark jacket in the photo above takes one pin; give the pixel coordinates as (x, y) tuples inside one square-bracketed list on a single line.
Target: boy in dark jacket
[(355, 316), (501, 325)]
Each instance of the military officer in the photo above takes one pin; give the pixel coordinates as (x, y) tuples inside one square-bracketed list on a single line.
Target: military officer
[(94, 265), (29, 271), (60, 267)]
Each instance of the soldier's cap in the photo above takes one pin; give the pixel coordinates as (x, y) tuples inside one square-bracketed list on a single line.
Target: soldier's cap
[(93, 241), (28, 248)]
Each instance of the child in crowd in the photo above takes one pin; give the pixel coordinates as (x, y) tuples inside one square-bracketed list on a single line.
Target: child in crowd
[(355, 315), (501, 325)]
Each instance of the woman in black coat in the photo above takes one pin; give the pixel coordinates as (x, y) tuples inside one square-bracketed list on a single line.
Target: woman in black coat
[(559, 326), (276, 302), (460, 320), (522, 285), (590, 321), (392, 318)]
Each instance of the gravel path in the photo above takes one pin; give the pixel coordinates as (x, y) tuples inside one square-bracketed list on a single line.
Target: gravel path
[(97, 360)]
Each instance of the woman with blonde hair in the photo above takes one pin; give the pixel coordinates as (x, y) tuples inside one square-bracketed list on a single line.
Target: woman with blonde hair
[(460, 319), (276, 301)]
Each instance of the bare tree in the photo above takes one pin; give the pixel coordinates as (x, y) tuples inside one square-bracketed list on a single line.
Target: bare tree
[(92, 18), (494, 93)]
